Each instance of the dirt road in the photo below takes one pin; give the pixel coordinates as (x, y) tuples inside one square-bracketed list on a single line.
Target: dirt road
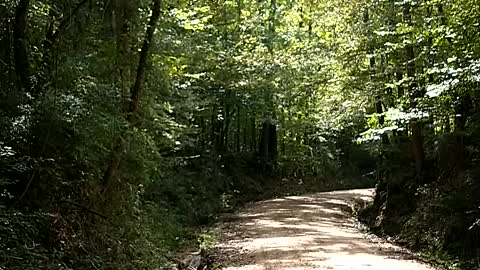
[(307, 232)]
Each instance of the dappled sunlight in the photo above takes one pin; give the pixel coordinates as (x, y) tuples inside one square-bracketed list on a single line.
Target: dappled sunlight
[(307, 232)]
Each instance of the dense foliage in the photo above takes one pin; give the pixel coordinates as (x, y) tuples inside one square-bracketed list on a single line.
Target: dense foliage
[(125, 125), (423, 74)]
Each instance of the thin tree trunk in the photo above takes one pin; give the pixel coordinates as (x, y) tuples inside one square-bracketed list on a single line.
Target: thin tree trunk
[(264, 139), (253, 146), (237, 134), (137, 91), (22, 64), (273, 142), (461, 114), (430, 57), (120, 20), (9, 54), (378, 102), (400, 90), (245, 135), (417, 138), (272, 24), (226, 127), (283, 134), (213, 117), (268, 144)]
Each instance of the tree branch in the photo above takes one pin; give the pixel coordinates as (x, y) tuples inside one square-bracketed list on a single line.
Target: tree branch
[(88, 210), (53, 35)]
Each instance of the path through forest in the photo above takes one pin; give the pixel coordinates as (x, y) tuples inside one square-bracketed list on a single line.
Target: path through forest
[(307, 232)]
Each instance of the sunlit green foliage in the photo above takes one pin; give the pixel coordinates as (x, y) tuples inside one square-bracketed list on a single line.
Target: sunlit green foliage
[(239, 98)]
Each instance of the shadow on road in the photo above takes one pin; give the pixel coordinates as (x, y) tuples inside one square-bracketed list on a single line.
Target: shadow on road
[(307, 232)]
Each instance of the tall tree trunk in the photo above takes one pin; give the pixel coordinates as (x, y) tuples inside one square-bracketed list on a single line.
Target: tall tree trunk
[(253, 145), (273, 142), (120, 21), (417, 138), (284, 135), (201, 136), (8, 48), (378, 99), (245, 135), (272, 24), (137, 89), (264, 139), (430, 58), (213, 118), (136, 94), (268, 144), (400, 90), (238, 131), (462, 110), (22, 64), (226, 122)]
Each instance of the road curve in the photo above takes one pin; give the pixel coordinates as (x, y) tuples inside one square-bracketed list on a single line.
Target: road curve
[(307, 232)]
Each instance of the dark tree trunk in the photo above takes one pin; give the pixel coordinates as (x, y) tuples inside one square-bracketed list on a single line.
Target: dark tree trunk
[(462, 111), (430, 58), (226, 127), (120, 22), (237, 134), (273, 142), (378, 101), (417, 138), (263, 147), (272, 24), (245, 134), (8, 48), (253, 145), (137, 91), (213, 117), (400, 90), (268, 144), (381, 119), (284, 134), (22, 64)]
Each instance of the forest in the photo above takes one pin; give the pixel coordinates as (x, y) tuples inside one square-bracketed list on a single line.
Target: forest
[(128, 127)]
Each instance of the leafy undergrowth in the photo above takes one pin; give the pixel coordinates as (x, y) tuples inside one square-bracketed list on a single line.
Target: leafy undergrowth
[(143, 226), (441, 223)]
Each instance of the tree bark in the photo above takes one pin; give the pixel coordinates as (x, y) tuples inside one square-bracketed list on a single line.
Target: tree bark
[(226, 123), (272, 24), (8, 49), (263, 147), (213, 117), (120, 22), (22, 64), (136, 94), (253, 145), (137, 89), (417, 138), (268, 144), (378, 99), (245, 134), (462, 110), (237, 134)]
